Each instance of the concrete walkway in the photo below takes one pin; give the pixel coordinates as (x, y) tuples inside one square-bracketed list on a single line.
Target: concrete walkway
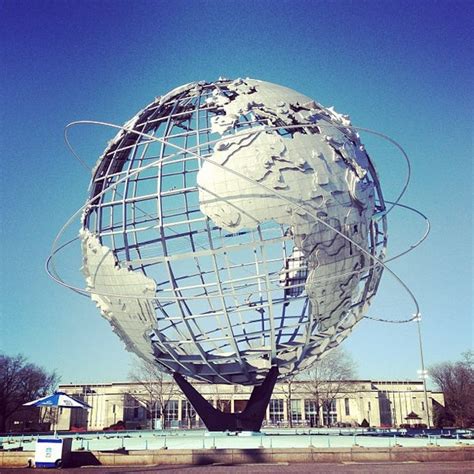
[(262, 456), (282, 468)]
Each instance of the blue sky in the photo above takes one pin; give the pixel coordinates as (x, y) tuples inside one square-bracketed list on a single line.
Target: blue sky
[(403, 68)]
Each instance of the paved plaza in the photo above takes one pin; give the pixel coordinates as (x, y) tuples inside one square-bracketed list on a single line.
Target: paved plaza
[(281, 468)]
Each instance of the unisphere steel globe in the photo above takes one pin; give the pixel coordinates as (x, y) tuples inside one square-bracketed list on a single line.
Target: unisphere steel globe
[(233, 226)]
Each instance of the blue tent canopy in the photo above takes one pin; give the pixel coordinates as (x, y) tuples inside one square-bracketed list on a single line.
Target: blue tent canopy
[(58, 399)]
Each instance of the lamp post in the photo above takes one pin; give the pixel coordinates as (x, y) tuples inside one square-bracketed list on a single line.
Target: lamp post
[(422, 373)]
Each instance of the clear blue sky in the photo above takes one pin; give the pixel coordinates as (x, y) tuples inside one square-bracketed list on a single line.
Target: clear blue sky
[(401, 67)]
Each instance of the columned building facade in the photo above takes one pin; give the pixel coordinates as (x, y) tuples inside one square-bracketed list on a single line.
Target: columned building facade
[(360, 403)]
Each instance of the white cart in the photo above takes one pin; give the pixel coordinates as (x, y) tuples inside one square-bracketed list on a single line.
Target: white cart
[(52, 452)]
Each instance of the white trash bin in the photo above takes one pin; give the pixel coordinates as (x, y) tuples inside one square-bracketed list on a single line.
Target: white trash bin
[(52, 452)]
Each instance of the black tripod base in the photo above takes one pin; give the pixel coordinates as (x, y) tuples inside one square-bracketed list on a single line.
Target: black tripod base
[(250, 419)]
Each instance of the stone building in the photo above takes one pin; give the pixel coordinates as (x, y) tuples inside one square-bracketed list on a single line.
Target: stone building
[(362, 402)]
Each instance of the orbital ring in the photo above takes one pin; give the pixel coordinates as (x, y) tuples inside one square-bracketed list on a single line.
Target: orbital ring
[(51, 269)]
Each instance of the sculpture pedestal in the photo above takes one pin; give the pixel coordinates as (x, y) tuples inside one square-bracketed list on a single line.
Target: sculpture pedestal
[(250, 419)]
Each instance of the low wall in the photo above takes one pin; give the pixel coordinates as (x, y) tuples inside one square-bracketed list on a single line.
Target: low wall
[(244, 456)]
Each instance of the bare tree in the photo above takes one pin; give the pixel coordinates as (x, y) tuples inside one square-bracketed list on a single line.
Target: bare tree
[(21, 382), (217, 400), (456, 381), (286, 388), (328, 380), (158, 389)]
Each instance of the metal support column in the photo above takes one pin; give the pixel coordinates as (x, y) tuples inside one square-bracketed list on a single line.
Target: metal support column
[(250, 419)]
